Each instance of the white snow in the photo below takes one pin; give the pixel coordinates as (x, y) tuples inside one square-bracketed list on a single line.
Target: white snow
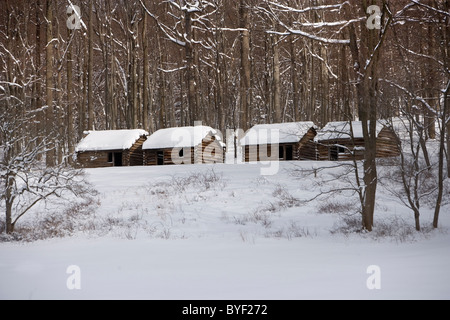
[(288, 133), (110, 140), (342, 130), (183, 137), (173, 233)]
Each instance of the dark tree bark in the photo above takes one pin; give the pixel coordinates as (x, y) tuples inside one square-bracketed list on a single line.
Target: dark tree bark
[(70, 120), (146, 89), (49, 125), (366, 56), (276, 81), (190, 68), (90, 85), (245, 72), (295, 80)]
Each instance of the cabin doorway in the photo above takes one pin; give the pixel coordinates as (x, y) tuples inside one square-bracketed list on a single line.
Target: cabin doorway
[(118, 162), (289, 153), (160, 158), (286, 153)]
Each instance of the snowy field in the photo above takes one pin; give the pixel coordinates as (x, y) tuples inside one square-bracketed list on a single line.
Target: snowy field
[(227, 232)]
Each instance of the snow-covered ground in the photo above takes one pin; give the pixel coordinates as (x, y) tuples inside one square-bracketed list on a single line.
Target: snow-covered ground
[(227, 232)]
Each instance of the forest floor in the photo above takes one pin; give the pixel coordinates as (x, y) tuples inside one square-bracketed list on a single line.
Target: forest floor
[(228, 232)]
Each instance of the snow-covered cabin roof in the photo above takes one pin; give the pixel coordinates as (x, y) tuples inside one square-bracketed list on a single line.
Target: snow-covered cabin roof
[(110, 140), (342, 130), (182, 137), (291, 132)]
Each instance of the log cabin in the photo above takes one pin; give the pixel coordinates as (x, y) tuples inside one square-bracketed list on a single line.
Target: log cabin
[(184, 145), (283, 141), (344, 141), (111, 148)]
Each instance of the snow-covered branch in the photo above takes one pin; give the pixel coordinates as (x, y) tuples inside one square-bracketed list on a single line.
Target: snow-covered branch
[(419, 3), (412, 95)]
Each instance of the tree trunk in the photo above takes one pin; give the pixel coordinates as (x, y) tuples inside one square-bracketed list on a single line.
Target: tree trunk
[(49, 125), (114, 121), (60, 137), (369, 124), (430, 115), (82, 80), (38, 89), (162, 89), (219, 91), (446, 55), (9, 204), (366, 87), (190, 71), (444, 134), (445, 126), (9, 225), (417, 219), (133, 76), (346, 113), (295, 81), (245, 71), (145, 91), (91, 67), (276, 81), (70, 102), (448, 147)]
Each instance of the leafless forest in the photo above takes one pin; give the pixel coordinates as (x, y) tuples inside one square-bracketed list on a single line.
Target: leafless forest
[(127, 64)]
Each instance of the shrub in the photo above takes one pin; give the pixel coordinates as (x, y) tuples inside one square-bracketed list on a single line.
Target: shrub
[(393, 228), (332, 207), (56, 224)]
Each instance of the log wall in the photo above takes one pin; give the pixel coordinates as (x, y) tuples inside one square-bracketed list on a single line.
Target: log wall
[(93, 159), (387, 146), (99, 159)]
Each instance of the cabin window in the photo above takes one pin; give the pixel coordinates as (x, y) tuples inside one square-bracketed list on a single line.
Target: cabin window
[(335, 151), (110, 157)]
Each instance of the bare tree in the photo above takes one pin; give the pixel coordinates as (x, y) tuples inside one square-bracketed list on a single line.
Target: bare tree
[(90, 71), (245, 73), (417, 181), (366, 55), (49, 123), (365, 47), (25, 180)]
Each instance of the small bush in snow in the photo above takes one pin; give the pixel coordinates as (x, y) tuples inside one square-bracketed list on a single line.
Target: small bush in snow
[(291, 232), (286, 200), (201, 181), (56, 224), (339, 207), (261, 217), (394, 228)]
